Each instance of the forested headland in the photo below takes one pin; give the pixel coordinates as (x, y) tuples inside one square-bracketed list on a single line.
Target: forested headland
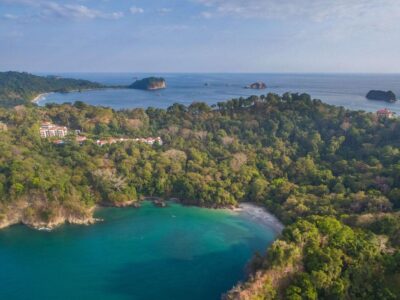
[(330, 174), (19, 88)]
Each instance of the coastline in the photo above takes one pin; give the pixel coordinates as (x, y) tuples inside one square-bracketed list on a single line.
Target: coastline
[(261, 215), (17, 215), (252, 211), (39, 97)]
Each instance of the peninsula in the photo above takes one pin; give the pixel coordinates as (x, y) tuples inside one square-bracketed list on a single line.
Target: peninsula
[(20, 87)]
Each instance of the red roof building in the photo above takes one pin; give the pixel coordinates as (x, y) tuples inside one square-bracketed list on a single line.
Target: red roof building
[(385, 113)]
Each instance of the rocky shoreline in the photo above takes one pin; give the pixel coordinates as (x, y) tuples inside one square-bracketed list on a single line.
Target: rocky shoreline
[(46, 226), (17, 215), (24, 214)]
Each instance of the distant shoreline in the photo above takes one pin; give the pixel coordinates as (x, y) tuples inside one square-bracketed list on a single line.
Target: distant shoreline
[(186, 89), (39, 97)]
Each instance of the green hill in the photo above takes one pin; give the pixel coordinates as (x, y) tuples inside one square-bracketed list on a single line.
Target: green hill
[(18, 88)]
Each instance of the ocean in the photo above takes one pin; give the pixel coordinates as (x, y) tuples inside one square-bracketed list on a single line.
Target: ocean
[(347, 90)]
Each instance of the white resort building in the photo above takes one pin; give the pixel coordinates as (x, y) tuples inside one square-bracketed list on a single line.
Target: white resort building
[(48, 129), (149, 141)]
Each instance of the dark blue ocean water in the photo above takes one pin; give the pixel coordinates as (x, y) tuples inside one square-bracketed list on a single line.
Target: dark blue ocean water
[(346, 90)]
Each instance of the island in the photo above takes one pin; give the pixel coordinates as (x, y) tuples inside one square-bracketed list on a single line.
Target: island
[(388, 96), (20, 87), (257, 86), (149, 84)]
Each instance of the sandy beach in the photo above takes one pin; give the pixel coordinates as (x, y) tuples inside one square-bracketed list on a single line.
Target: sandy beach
[(261, 215), (39, 97)]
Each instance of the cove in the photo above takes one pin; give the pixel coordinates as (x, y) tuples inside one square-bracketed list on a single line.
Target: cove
[(176, 253)]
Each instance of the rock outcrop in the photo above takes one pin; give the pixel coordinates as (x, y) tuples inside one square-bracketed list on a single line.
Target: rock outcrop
[(39, 217), (388, 96), (257, 86), (149, 84)]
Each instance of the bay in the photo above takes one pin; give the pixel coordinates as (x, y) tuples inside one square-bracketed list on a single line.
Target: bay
[(176, 253)]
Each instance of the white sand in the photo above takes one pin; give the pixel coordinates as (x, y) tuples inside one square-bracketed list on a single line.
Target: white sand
[(260, 215), (39, 97)]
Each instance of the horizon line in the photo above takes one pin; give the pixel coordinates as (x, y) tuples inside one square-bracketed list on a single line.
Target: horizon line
[(204, 72)]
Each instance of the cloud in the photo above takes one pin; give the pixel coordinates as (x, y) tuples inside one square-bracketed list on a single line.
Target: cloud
[(48, 9), (174, 28), (136, 10), (206, 15), (29, 2), (314, 10), (74, 11), (164, 10), (330, 20), (9, 17)]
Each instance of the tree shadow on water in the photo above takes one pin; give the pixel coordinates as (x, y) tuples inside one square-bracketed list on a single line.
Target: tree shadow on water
[(202, 277)]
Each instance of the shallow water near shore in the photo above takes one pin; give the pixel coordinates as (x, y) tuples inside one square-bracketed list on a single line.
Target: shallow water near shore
[(176, 252)]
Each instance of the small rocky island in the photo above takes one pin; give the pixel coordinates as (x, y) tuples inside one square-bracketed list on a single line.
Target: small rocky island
[(257, 86), (388, 96), (149, 84)]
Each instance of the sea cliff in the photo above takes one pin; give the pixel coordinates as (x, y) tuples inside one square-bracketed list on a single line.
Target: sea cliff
[(37, 217)]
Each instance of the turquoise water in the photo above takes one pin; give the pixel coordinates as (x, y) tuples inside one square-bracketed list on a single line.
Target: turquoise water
[(346, 90), (147, 253)]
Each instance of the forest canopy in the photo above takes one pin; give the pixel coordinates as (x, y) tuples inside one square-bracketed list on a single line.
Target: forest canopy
[(330, 174)]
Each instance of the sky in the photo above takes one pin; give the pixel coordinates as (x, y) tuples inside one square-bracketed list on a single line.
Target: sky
[(268, 36)]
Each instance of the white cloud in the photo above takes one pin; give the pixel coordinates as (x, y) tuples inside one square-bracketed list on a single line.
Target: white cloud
[(174, 28), (314, 10), (29, 2), (76, 11), (10, 17), (136, 10), (73, 11), (164, 10), (334, 20), (206, 14)]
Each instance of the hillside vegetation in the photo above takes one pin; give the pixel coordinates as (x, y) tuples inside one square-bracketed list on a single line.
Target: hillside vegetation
[(330, 174), (18, 88)]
